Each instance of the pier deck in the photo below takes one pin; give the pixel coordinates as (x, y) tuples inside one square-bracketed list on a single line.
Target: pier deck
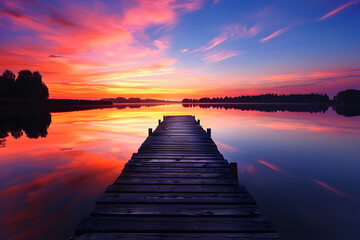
[(178, 186)]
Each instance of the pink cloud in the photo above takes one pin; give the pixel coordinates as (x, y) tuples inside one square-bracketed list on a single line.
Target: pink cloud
[(184, 50), (95, 42), (217, 56), (274, 34), (215, 2), (232, 31), (338, 9), (164, 12)]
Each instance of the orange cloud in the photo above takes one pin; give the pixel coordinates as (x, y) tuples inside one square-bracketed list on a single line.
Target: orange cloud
[(77, 42), (338, 9), (274, 34)]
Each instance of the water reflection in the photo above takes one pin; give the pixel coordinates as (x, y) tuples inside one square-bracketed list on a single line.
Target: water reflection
[(33, 123), (271, 107), (348, 110), (301, 168), (345, 110)]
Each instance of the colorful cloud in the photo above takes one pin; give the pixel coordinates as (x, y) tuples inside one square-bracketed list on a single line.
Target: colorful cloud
[(274, 34), (217, 56), (232, 31), (338, 9)]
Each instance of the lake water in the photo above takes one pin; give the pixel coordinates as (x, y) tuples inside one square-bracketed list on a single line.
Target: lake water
[(303, 169)]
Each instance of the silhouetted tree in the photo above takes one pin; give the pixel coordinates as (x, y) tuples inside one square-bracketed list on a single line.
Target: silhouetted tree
[(7, 85), (268, 107), (351, 96), (265, 98), (133, 100), (30, 86)]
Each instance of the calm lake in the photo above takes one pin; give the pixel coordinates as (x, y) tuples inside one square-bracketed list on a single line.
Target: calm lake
[(303, 169)]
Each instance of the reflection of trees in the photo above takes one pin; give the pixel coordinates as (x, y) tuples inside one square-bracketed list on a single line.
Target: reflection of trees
[(27, 88), (33, 124), (350, 110), (312, 108), (124, 106)]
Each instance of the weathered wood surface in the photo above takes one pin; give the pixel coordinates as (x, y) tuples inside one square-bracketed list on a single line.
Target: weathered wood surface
[(178, 186)]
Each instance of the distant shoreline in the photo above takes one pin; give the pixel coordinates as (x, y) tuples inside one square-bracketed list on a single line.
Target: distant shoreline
[(65, 106)]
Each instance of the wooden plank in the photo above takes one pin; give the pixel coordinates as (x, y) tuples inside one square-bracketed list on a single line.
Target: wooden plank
[(171, 147), (175, 175), (177, 236), (167, 198), (178, 161), (129, 168), (178, 155), (177, 158), (177, 164), (180, 150), (175, 181), (123, 209), (174, 224), (175, 188), (176, 152)]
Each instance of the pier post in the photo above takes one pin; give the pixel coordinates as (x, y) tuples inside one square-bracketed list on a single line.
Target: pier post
[(198, 121), (233, 170), (159, 121), (150, 131), (208, 131)]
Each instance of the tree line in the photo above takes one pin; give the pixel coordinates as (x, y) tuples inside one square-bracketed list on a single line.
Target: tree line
[(27, 86), (265, 98), (347, 96), (270, 107), (133, 100), (28, 89)]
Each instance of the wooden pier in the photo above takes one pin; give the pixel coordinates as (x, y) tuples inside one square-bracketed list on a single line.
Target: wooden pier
[(178, 186)]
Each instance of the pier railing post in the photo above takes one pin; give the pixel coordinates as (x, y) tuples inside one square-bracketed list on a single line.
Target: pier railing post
[(208, 131), (159, 121), (233, 170), (150, 131), (198, 121)]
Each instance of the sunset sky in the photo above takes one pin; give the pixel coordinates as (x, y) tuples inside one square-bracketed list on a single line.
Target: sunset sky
[(172, 49)]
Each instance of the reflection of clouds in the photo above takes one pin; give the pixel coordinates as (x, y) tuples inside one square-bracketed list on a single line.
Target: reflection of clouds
[(44, 187), (321, 183), (279, 126), (332, 189), (73, 164), (83, 174), (247, 167), (227, 148), (309, 125), (270, 165)]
